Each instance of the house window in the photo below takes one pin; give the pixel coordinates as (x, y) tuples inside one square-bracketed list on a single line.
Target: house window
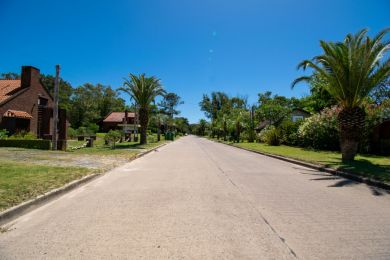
[(296, 118), (42, 101)]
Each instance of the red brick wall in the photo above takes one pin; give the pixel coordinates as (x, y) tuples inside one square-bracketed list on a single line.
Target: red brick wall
[(28, 101)]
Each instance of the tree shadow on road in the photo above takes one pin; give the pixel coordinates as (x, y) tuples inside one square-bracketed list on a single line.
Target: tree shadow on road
[(340, 181), (364, 168)]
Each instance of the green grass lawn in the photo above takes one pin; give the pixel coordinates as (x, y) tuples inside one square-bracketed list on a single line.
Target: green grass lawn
[(372, 166), (22, 181), (124, 149), (74, 143), (27, 173)]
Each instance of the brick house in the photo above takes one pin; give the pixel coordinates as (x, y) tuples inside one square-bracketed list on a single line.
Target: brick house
[(115, 121), (26, 105)]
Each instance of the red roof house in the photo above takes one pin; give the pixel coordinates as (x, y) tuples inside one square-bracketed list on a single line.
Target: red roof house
[(25, 104), (115, 120)]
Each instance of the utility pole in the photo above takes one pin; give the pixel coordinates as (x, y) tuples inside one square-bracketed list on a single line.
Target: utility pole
[(55, 108)]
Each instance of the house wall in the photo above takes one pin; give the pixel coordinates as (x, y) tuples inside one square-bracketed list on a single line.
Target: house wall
[(297, 114), (28, 100), (107, 126)]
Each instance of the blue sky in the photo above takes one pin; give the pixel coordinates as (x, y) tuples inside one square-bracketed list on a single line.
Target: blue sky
[(240, 47)]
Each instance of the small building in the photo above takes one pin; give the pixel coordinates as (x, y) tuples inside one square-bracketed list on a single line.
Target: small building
[(25, 104), (299, 114), (295, 115), (117, 120)]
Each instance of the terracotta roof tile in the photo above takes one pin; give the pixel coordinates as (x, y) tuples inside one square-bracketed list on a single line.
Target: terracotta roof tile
[(17, 113), (117, 117), (8, 87)]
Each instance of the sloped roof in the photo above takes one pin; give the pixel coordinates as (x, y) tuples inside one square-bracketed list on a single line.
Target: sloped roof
[(262, 125), (8, 87), (301, 110), (117, 117), (17, 113)]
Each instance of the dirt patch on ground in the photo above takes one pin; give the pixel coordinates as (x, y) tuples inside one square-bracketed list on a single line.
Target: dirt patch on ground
[(65, 159)]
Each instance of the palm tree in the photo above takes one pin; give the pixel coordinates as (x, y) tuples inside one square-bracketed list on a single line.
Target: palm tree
[(352, 68), (143, 90)]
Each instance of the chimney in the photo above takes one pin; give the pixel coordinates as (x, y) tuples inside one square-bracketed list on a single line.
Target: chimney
[(29, 76)]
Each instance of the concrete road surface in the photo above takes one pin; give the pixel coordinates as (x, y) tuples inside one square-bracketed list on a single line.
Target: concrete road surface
[(196, 199)]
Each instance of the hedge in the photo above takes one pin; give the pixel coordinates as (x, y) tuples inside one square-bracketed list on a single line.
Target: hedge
[(24, 143)]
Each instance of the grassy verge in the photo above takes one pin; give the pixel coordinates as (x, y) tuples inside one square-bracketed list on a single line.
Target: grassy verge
[(125, 149), (20, 181), (371, 166), (27, 173)]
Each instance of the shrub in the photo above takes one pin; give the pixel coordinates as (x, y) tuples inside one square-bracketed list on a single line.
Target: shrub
[(152, 139), (3, 134), (82, 130), (273, 137), (26, 143), (288, 131), (270, 135), (24, 135), (92, 128), (262, 136), (320, 131), (72, 133), (375, 114), (112, 137)]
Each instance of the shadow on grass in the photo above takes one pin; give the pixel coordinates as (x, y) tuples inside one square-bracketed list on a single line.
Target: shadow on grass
[(342, 182), (130, 146), (363, 167)]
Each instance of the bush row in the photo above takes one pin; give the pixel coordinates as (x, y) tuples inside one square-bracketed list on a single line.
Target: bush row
[(320, 131), (25, 143)]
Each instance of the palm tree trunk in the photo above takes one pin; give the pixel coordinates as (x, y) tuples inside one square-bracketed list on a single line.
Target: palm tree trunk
[(351, 122), (144, 121)]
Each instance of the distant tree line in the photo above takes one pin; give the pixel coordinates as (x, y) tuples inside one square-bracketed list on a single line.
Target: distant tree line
[(88, 104), (349, 97)]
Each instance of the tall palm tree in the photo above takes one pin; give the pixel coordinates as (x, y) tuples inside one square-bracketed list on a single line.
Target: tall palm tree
[(143, 90), (352, 69)]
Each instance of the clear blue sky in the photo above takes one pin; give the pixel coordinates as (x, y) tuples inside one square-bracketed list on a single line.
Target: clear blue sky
[(240, 47)]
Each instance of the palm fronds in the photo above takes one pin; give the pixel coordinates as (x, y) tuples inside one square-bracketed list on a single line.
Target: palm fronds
[(352, 67)]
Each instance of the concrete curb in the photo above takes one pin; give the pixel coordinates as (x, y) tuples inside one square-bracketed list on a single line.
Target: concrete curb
[(32, 204), (321, 168), (27, 206), (150, 150)]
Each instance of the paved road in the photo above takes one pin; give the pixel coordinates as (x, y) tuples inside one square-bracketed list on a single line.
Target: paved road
[(195, 199)]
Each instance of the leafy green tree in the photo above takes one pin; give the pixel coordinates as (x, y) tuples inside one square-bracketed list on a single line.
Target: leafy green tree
[(319, 97), (158, 122), (212, 105), (202, 127), (10, 75), (273, 108), (352, 69), (238, 121), (112, 137), (143, 90), (182, 125), (109, 101), (84, 106), (169, 104), (90, 103), (65, 90), (381, 93)]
